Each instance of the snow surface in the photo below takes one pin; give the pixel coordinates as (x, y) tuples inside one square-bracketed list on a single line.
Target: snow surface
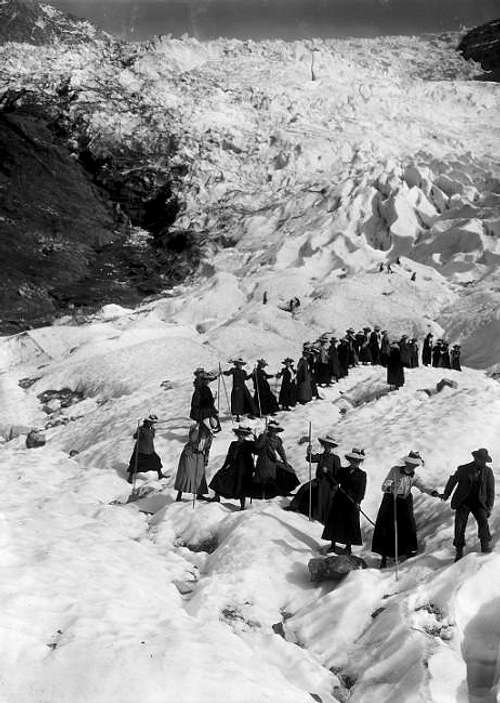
[(391, 152)]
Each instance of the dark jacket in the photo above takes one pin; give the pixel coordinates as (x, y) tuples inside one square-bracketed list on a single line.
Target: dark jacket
[(461, 482)]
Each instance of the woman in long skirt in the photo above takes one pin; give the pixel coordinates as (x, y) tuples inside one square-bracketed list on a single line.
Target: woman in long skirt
[(234, 479), (273, 474), (241, 401), (288, 390), (342, 524), (144, 458), (397, 508), (322, 488), (202, 400), (193, 462), (395, 370), (264, 398)]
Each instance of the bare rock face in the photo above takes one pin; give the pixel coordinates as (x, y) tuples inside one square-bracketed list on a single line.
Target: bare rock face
[(30, 22), (334, 568), (482, 44)]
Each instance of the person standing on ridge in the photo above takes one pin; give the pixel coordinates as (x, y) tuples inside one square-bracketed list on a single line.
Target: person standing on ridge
[(322, 488), (395, 370), (473, 488), (375, 345), (193, 461), (455, 358), (264, 398), (342, 524), (427, 349), (234, 479), (304, 389), (202, 400), (273, 474), (241, 401), (288, 391)]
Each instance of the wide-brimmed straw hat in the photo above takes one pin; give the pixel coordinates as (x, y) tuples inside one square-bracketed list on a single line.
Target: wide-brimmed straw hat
[(244, 431), (288, 360), (262, 362), (356, 454), (482, 454), (239, 360), (413, 458), (328, 439), (274, 426), (199, 371)]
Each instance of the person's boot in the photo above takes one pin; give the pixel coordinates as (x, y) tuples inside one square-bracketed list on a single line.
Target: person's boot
[(242, 503), (486, 548), (216, 498), (459, 552), (179, 497), (332, 547), (348, 549), (383, 563)]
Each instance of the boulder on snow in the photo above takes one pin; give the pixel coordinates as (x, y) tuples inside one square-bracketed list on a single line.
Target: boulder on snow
[(35, 438), (334, 568)]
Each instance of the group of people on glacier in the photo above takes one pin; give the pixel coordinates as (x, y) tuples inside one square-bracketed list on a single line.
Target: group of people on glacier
[(256, 466)]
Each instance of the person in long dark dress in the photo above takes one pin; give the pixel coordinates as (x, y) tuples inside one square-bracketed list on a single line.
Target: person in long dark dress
[(395, 370), (375, 345), (455, 358), (202, 400), (444, 361), (273, 474), (323, 372), (333, 357), (264, 398), (405, 352), (413, 347), (323, 486), (427, 349), (342, 524), (344, 353), (365, 352), (288, 391), (397, 505), (436, 353), (234, 478), (385, 348), (304, 390), (144, 458), (242, 402)]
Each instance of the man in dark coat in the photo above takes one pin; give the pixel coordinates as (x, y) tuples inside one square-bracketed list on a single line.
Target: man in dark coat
[(455, 358), (375, 345), (473, 488), (144, 458), (427, 350), (264, 398), (395, 370), (342, 524), (288, 391), (322, 488), (234, 479), (241, 401)]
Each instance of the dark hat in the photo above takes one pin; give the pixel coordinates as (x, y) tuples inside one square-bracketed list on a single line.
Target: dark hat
[(244, 431), (199, 371), (288, 360), (350, 330), (457, 346), (482, 454), (328, 439), (384, 331), (404, 336), (356, 454), (366, 329), (239, 360), (413, 458), (377, 328), (262, 362), (274, 426)]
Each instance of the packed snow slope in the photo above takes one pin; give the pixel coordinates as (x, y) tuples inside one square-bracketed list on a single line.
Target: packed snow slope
[(102, 601), (300, 167)]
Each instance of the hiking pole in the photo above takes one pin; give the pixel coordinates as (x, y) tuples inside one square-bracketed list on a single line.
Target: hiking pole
[(257, 389), (358, 506), (136, 458), (194, 499), (218, 389), (226, 393), (310, 471), (396, 557)]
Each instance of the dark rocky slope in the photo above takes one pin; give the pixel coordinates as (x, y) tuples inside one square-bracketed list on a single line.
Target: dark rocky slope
[(482, 44)]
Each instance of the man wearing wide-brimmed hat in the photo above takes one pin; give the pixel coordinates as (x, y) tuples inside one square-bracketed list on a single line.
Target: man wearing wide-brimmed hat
[(234, 479), (264, 399), (342, 524), (288, 391), (241, 400), (322, 488), (473, 488), (397, 504)]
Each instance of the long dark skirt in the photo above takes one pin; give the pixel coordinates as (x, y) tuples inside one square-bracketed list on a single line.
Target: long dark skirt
[(242, 401), (282, 484), (145, 462), (288, 394), (323, 374), (322, 493), (383, 535), (234, 481), (342, 524)]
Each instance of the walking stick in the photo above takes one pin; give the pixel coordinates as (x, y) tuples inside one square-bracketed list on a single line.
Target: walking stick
[(310, 471), (396, 557), (136, 460), (225, 393), (194, 499), (218, 390), (354, 503), (257, 389)]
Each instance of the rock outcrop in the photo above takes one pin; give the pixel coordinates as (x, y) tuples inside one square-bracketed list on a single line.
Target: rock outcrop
[(482, 44)]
